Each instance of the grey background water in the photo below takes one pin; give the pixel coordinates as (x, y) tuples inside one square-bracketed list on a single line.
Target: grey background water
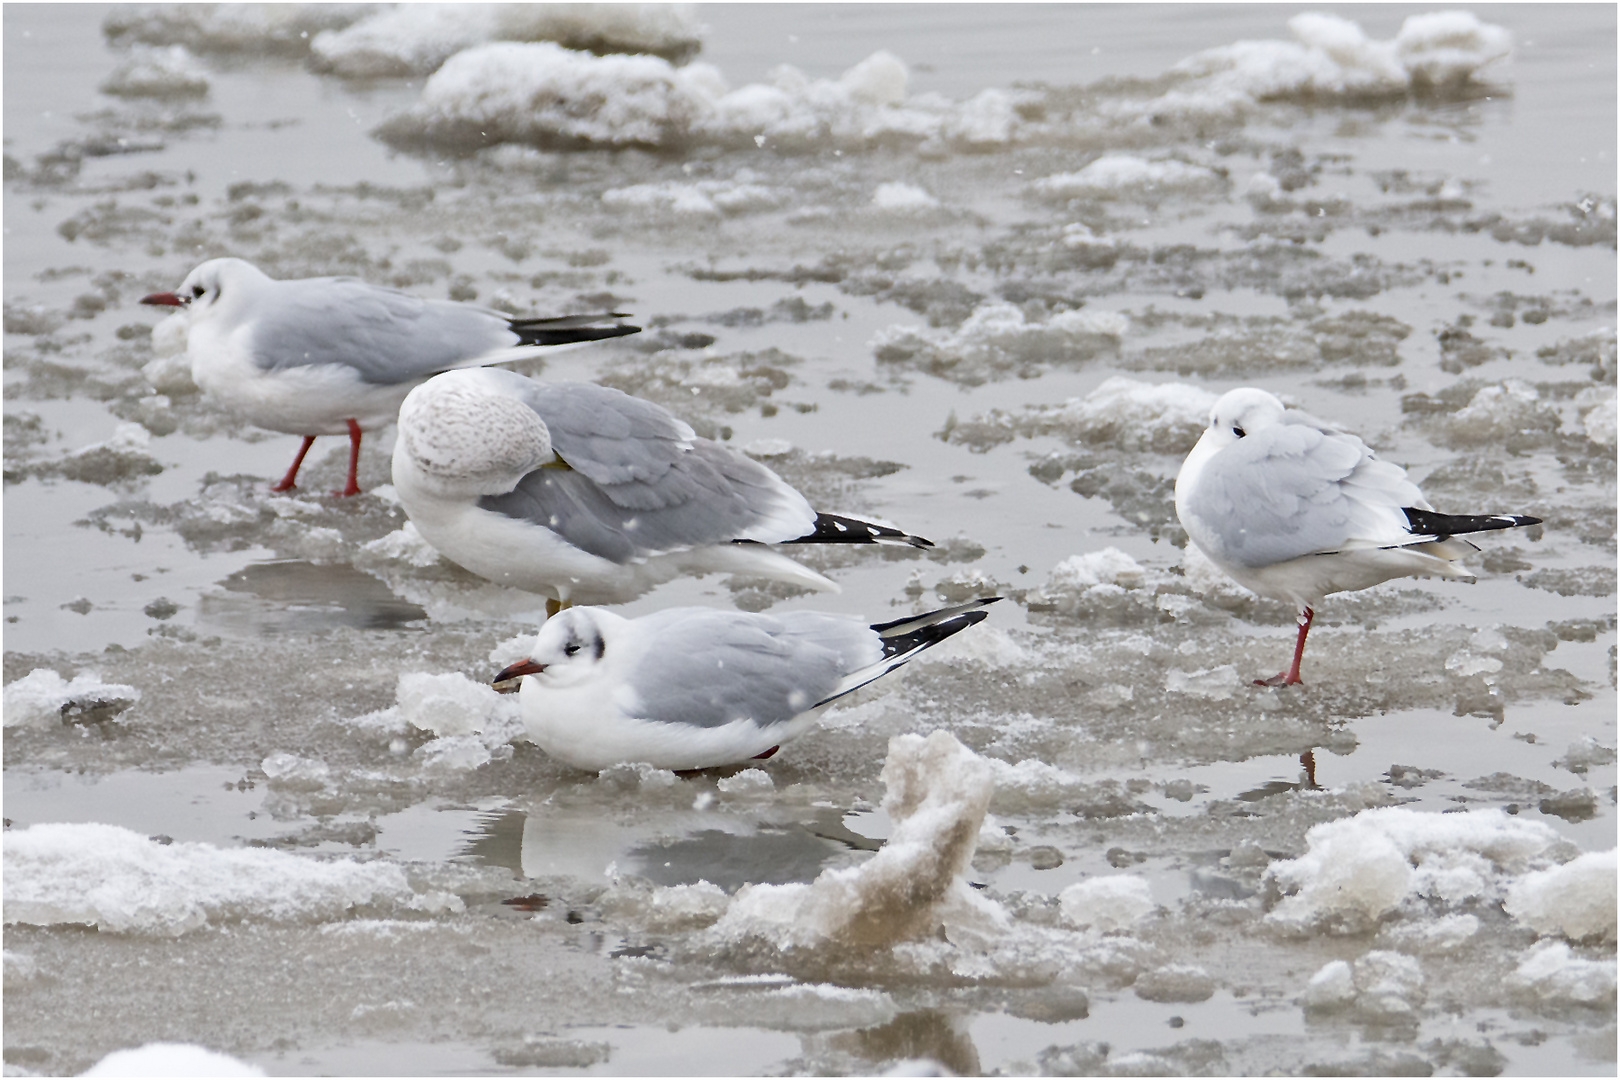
[(282, 629)]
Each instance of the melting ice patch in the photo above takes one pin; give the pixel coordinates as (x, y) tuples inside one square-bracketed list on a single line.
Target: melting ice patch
[(43, 699), (1121, 413), (1359, 869), (415, 39), (118, 880), (1125, 176), (998, 341), (158, 73)]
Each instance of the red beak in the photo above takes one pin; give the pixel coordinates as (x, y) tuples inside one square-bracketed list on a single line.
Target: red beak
[(166, 299), (522, 667)]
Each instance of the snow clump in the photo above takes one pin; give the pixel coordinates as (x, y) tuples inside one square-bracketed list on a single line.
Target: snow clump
[(1106, 904), (43, 699), (1331, 57), (899, 198), (117, 880), (416, 39), (171, 1059), (1358, 869), (1576, 899), (1552, 972), (544, 95)]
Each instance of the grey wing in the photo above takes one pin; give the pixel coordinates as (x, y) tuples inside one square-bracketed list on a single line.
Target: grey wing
[(639, 483), (386, 336), (723, 666), (1292, 490)]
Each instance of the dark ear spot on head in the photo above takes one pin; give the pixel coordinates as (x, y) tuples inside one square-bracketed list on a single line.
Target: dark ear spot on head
[(600, 646)]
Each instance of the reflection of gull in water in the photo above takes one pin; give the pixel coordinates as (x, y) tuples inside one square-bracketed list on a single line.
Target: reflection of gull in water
[(589, 495), (693, 688), (336, 356), (1293, 509)]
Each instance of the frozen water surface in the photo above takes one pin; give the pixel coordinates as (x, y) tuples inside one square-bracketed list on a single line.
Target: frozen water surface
[(975, 271)]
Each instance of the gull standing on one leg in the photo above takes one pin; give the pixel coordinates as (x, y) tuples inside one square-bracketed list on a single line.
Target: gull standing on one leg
[(1294, 508)]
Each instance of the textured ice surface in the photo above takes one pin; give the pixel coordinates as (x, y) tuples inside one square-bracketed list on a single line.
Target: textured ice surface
[(1361, 868), (171, 1059), (1552, 972), (44, 699), (113, 879), (997, 341)]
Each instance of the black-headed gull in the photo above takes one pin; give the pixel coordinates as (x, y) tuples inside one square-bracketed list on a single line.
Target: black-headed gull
[(695, 688), (334, 355), (588, 495), (1294, 508)]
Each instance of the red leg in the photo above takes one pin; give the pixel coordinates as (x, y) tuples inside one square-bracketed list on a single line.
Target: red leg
[(1291, 676), (353, 487), (289, 481)]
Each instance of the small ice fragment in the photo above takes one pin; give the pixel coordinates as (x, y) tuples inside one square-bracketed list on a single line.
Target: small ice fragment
[(1214, 684), (287, 770), (1175, 982), (1114, 902), (897, 197), (747, 782), (1332, 987)]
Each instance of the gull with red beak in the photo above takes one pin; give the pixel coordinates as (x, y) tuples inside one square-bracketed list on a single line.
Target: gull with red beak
[(697, 688), (1293, 508), (335, 355)]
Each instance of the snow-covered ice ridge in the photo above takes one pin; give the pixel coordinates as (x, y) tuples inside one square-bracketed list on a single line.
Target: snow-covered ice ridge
[(545, 95)]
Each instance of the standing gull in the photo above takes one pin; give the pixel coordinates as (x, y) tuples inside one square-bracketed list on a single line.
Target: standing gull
[(334, 355), (588, 495), (1293, 509), (695, 688)]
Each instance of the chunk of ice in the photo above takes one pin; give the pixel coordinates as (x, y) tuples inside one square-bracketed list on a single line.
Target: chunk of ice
[(1576, 899), (171, 1059), (118, 880), (43, 699), (1113, 902)]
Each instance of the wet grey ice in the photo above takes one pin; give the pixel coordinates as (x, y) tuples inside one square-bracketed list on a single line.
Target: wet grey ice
[(987, 287)]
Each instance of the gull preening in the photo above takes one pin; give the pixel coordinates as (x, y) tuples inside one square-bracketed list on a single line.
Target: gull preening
[(696, 688), (335, 355), (587, 495), (1294, 508)]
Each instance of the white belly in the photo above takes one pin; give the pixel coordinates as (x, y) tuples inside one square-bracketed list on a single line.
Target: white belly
[(319, 399)]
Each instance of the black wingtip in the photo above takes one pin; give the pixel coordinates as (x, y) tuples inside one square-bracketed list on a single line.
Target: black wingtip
[(833, 529), (932, 628), (1429, 523), (570, 329)]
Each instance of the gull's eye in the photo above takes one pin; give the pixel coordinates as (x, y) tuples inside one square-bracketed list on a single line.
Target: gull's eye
[(1239, 432), (197, 291), (571, 648)]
